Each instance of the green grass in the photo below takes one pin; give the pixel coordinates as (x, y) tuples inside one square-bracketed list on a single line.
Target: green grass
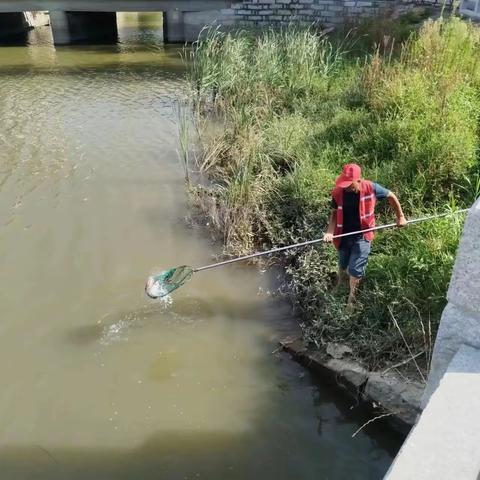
[(294, 107)]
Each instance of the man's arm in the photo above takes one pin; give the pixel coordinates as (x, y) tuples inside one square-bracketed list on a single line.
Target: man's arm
[(393, 201), (328, 237)]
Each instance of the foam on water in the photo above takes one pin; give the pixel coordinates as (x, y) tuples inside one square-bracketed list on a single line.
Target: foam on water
[(166, 300)]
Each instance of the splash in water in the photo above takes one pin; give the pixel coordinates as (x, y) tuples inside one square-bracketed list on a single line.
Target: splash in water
[(115, 332), (155, 288)]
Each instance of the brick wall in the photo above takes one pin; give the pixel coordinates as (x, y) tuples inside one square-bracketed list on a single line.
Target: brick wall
[(325, 13)]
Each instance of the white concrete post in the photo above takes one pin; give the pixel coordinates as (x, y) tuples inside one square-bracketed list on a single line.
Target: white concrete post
[(460, 323), (60, 28), (29, 19)]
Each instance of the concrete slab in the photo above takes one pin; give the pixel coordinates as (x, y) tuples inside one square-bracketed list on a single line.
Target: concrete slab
[(445, 443)]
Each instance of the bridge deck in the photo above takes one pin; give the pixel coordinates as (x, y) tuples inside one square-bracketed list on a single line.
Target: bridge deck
[(111, 5)]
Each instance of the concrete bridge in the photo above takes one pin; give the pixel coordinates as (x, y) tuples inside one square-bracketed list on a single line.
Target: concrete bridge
[(89, 20)]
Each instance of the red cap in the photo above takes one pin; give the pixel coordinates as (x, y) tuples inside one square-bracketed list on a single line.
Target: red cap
[(351, 172)]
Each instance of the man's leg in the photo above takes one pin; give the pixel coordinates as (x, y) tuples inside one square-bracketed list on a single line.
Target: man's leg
[(343, 259), (342, 277), (356, 267), (354, 283)]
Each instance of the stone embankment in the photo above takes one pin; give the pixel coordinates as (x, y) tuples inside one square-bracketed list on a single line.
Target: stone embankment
[(386, 391)]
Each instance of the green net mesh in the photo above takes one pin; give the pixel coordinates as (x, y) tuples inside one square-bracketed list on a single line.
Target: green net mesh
[(167, 281)]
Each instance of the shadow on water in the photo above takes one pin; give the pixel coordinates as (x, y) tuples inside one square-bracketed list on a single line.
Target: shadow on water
[(218, 455), (335, 410), (166, 455), (186, 309), (211, 455)]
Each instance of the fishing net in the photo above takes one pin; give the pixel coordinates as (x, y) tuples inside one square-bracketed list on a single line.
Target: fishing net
[(167, 281)]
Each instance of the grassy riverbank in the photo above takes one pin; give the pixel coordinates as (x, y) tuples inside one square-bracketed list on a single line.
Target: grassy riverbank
[(292, 108)]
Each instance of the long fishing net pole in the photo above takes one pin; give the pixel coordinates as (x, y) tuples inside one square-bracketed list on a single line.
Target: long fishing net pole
[(318, 240), (169, 280)]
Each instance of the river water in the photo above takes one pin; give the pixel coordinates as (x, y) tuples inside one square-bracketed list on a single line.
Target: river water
[(97, 382)]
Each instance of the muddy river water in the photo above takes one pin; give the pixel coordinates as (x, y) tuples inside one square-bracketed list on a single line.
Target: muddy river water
[(97, 382)]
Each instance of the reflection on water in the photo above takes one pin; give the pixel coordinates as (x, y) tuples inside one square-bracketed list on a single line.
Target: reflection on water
[(97, 381), (144, 28)]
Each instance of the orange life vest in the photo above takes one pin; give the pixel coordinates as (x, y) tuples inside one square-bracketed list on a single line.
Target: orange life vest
[(366, 207)]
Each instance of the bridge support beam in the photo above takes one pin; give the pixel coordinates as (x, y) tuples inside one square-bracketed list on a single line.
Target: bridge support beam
[(81, 27), (173, 27), (13, 25), (59, 26)]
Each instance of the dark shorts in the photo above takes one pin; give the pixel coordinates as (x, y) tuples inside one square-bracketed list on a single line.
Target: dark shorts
[(353, 255)]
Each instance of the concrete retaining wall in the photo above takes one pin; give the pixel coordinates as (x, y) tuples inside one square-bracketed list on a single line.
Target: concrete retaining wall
[(460, 323), (386, 390), (445, 443)]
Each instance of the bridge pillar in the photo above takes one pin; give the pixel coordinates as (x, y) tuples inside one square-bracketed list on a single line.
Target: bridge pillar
[(173, 26), (80, 27), (13, 25), (59, 26)]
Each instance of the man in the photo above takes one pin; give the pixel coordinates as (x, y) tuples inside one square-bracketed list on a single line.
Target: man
[(353, 209)]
